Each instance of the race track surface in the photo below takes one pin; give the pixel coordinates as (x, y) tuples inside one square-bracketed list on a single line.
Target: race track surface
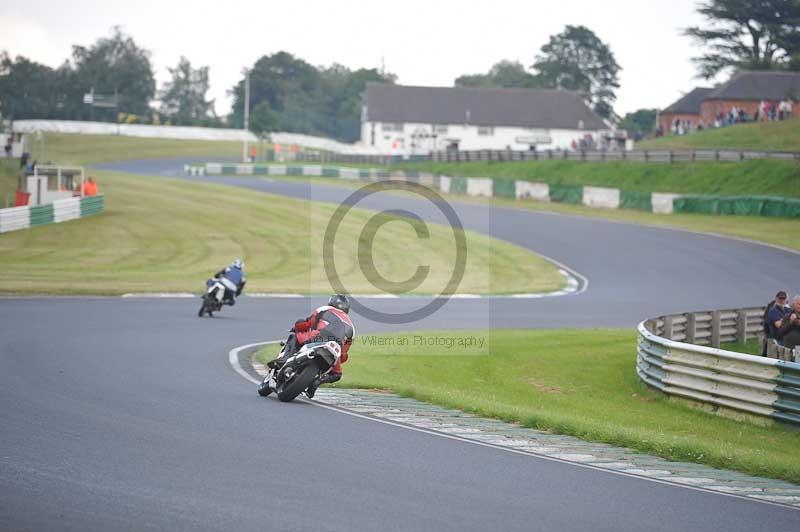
[(123, 414)]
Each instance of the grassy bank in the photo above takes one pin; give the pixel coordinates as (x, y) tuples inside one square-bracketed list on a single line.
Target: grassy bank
[(778, 231), (65, 148), (161, 234), (770, 136), (760, 177), (581, 383)]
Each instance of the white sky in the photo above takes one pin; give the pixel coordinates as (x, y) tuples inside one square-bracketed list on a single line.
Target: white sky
[(424, 42)]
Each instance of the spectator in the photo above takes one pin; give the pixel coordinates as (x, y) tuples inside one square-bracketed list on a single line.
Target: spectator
[(772, 111), (777, 311), (23, 161), (790, 329), (8, 146)]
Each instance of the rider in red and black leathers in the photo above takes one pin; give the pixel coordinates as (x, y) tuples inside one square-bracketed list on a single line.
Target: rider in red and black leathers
[(329, 322)]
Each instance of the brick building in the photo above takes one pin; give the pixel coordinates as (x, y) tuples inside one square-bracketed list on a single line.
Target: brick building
[(686, 110), (746, 89)]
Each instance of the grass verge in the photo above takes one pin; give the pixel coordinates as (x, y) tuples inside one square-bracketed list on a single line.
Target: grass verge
[(160, 234), (771, 136), (758, 177), (581, 383), (783, 232)]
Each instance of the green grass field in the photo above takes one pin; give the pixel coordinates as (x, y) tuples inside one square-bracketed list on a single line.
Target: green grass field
[(161, 234), (578, 382), (769, 136), (64, 148)]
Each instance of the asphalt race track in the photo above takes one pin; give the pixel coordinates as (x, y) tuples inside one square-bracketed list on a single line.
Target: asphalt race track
[(123, 414)]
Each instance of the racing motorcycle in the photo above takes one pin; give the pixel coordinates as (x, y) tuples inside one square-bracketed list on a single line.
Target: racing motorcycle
[(213, 298), (297, 372)]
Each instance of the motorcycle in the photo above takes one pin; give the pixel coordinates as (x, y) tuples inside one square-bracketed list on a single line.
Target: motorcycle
[(297, 372), (214, 297)]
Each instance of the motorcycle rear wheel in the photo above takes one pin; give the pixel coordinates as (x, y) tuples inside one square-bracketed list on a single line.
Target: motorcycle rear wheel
[(288, 391)]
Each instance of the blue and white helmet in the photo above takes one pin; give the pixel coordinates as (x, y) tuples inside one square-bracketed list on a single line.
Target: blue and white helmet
[(238, 264)]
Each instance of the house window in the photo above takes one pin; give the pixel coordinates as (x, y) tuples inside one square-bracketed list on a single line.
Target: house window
[(485, 131), (396, 127), (440, 129)]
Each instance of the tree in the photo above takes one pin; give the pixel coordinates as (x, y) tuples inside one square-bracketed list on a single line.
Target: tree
[(27, 89), (748, 34), (508, 74), (116, 65), (183, 100), (576, 59), (640, 123), (301, 98)]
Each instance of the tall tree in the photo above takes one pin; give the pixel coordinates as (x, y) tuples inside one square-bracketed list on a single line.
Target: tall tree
[(116, 65), (508, 74), (183, 99), (576, 59), (301, 98), (748, 34), (27, 89)]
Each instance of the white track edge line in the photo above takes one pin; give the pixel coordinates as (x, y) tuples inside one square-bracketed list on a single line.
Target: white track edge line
[(233, 358)]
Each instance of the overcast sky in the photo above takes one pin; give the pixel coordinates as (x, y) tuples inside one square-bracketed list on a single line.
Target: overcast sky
[(424, 42)]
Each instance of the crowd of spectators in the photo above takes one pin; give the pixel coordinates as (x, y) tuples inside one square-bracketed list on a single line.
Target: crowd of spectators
[(782, 322), (767, 111)]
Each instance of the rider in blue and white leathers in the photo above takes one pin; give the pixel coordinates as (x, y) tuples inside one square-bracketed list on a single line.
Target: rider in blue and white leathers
[(233, 279)]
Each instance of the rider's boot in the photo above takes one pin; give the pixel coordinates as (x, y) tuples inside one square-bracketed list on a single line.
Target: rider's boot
[(328, 378)]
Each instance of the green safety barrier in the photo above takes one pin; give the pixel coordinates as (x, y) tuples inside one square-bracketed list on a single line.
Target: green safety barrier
[(566, 193), (330, 172), (261, 170), (458, 185), (363, 174), (41, 215), (504, 188), (738, 205), (294, 170), (92, 205), (228, 169), (640, 201)]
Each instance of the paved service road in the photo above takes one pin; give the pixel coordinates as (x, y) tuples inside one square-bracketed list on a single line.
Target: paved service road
[(123, 414)]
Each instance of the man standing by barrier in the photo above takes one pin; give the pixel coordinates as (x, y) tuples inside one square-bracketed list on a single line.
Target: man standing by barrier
[(790, 329), (776, 316), (90, 188)]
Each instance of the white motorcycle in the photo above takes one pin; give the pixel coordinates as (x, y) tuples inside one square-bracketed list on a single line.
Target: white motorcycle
[(214, 296), (298, 371)]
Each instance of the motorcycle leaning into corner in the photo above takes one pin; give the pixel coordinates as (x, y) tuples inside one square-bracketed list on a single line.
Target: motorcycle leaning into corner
[(295, 374), (223, 289)]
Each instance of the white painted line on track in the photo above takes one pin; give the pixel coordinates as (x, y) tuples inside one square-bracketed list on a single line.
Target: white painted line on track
[(233, 358), (184, 295)]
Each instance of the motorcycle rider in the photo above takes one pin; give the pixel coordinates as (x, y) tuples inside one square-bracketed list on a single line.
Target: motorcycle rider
[(326, 323), (233, 279)]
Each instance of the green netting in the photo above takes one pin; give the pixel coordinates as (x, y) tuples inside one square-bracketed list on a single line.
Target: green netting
[(504, 188), (774, 206), (458, 185), (330, 172), (41, 214), (566, 193), (641, 201)]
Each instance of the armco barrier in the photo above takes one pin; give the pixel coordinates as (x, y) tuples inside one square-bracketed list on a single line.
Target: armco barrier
[(64, 210), (590, 196), (670, 360)]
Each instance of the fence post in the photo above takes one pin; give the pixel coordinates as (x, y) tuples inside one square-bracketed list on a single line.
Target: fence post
[(741, 326), (694, 155), (741, 156), (691, 327), (671, 156), (646, 156), (667, 331), (715, 319), (716, 155)]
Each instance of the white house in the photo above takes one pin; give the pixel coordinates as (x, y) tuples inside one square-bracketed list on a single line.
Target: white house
[(408, 120)]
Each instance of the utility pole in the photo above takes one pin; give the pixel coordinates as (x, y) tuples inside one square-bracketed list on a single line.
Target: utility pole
[(246, 112)]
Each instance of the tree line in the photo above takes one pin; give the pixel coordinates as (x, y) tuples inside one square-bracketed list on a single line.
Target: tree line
[(289, 94)]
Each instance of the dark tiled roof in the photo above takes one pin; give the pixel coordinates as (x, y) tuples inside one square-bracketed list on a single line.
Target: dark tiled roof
[(690, 103), (758, 85), (551, 109)]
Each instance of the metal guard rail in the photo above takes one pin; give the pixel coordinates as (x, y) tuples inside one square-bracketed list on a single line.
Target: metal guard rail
[(747, 383)]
